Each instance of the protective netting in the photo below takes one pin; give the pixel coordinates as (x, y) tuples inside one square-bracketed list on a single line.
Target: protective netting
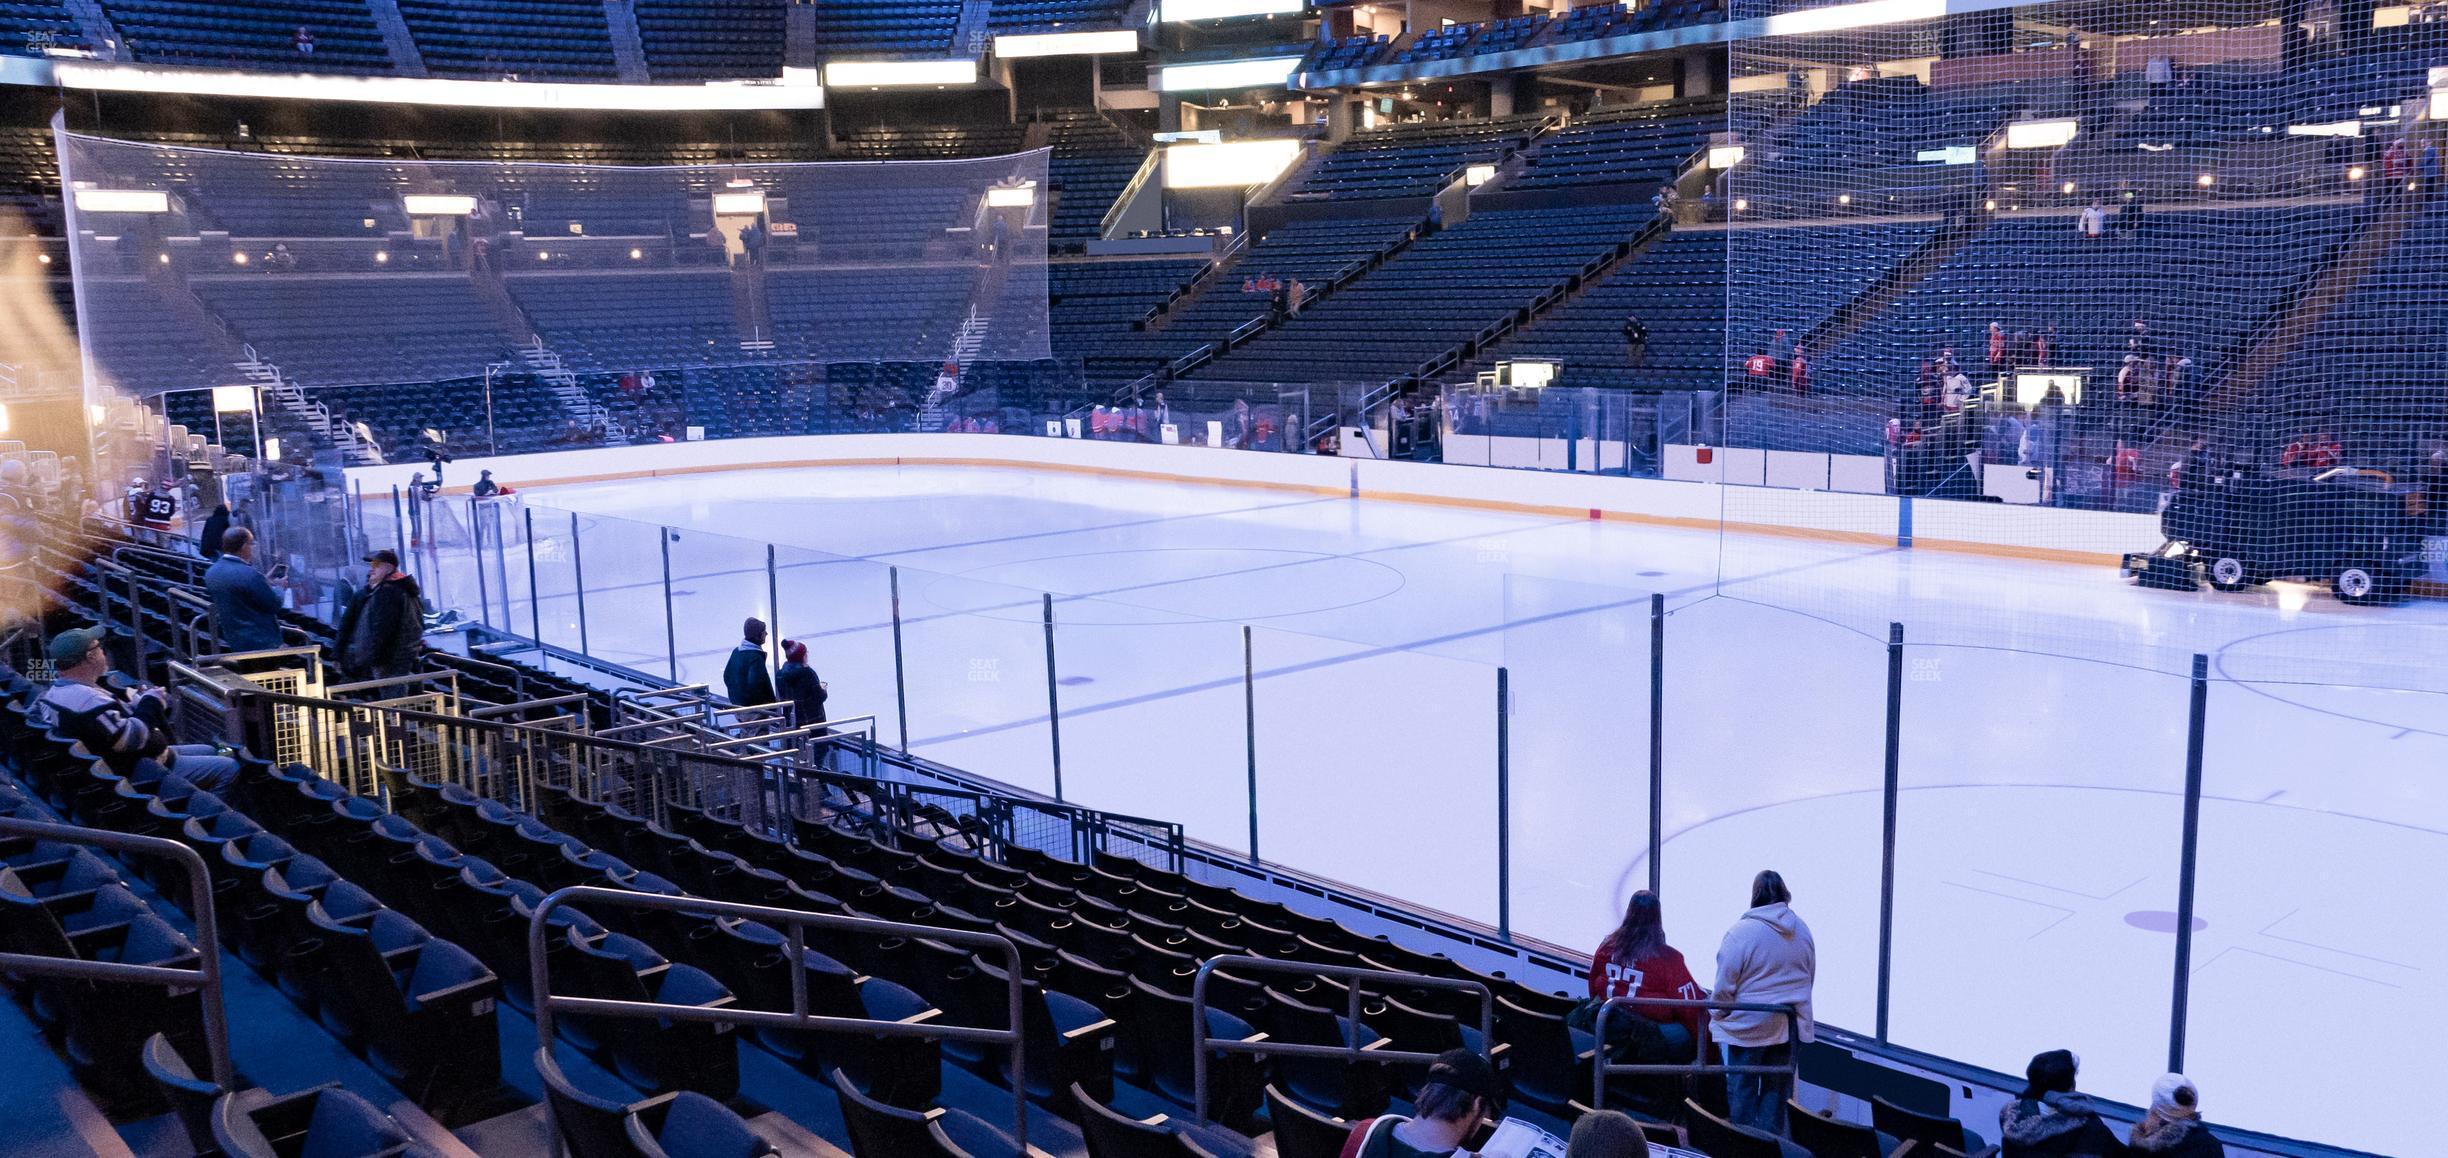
[(2103, 275), (515, 296)]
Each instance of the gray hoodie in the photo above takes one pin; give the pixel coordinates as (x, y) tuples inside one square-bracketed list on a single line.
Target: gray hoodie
[(1766, 957)]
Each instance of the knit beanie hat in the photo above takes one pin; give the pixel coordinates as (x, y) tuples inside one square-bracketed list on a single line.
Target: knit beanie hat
[(794, 651), (2175, 1096)]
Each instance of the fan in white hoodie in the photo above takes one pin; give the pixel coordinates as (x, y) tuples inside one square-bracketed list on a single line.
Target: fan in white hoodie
[(1767, 957)]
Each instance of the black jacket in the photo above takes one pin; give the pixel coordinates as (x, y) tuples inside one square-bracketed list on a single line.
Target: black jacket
[(215, 525), (745, 679), (383, 630), (118, 727), (2056, 1126), (806, 693)]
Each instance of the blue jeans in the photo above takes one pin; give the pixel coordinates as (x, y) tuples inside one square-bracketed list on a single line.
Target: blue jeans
[(1757, 1100), (202, 766)]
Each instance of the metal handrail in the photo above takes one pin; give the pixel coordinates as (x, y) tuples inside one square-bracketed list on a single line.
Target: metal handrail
[(1600, 1067), (539, 972), (1350, 1052), (206, 976)]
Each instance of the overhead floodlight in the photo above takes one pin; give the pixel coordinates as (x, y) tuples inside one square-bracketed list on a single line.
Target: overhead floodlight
[(122, 201), (233, 399), (438, 205), (2331, 129), (1194, 136), (748, 204), (2049, 134), (1176, 11), (1268, 72), (899, 73), (1725, 156), (1478, 175), (1110, 42), (1237, 165), (790, 92), (1019, 196)]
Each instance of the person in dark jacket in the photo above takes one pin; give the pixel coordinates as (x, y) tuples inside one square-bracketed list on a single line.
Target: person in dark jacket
[(216, 524), (122, 724), (2050, 1120), (746, 679), (2173, 1127), (246, 611), (384, 627), (1461, 1086), (798, 684)]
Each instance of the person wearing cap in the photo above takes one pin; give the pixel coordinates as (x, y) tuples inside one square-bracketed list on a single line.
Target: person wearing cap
[(246, 611), (1458, 1095), (485, 487), (746, 679), (2174, 1127), (120, 725), (384, 627), (2050, 1120)]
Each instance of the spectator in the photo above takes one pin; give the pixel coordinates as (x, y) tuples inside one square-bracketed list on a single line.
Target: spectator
[(215, 524), (2044, 345), (2315, 452), (1295, 296), (798, 685), (2429, 169), (2393, 163), (1450, 1106), (305, 40), (1665, 200), (2092, 222), (2038, 442), (485, 487), (1767, 958), (1955, 392), (2050, 1120), (2129, 216), (745, 679), (246, 611), (1801, 371), (1607, 1134), (1635, 961), (120, 724), (1636, 339), (1436, 219), (1997, 345), (280, 259), (2173, 1126), (384, 627), (1780, 349)]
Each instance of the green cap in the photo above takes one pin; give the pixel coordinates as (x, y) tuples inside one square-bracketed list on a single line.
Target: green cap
[(68, 648)]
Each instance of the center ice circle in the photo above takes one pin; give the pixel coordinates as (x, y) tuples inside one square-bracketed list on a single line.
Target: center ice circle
[(1166, 585)]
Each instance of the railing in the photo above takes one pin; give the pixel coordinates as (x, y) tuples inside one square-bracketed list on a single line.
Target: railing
[(205, 977), (797, 922), (1351, 1050), (1600, 1067)]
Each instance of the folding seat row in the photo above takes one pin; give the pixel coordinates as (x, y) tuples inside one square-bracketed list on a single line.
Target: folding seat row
[(59, 900), (409, 1003)]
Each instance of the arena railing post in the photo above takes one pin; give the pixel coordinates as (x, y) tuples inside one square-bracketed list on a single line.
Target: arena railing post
[(1657, 739), (535, 600), (578, 577), (1889, 791), (900, 680), (773, 611), (484, 592), (671, 631), (1053, 699), (1249, 731), (1504, 805), (2189, 854), (399, 524)]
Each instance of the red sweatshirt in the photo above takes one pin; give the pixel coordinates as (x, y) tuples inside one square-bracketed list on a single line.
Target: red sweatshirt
[(1661, 974)]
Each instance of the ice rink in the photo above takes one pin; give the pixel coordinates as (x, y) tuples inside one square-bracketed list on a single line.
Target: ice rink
[(2043, 755)]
